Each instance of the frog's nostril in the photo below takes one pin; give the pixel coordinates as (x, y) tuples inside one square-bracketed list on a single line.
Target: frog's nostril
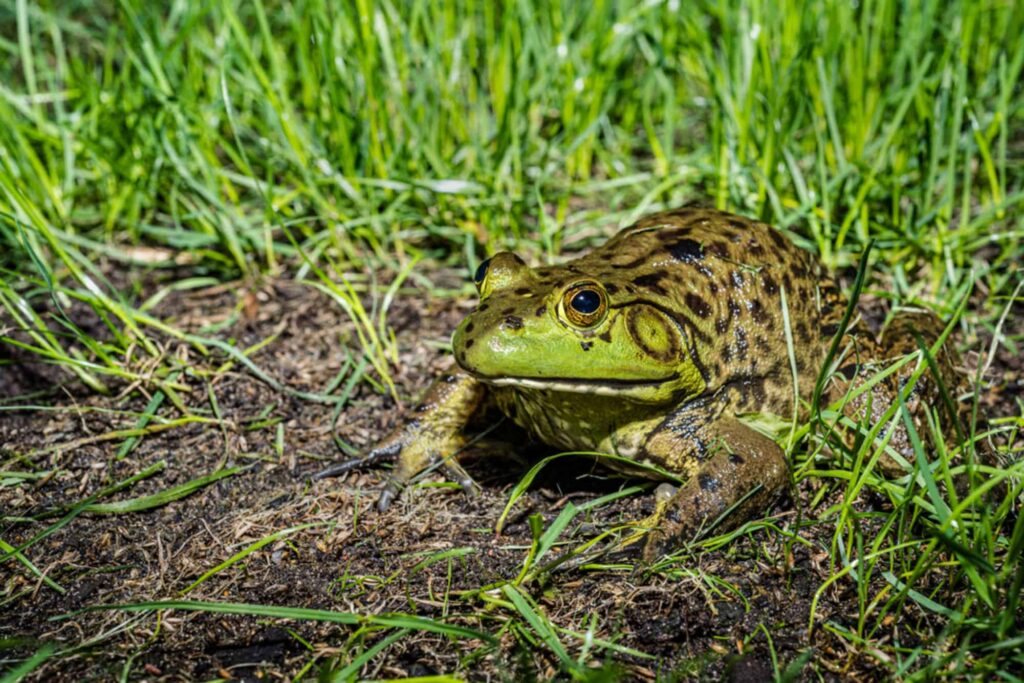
[(512, 322)]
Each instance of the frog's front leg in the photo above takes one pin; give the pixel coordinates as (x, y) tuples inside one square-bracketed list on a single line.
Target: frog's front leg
[(431, 433), (729, 466)]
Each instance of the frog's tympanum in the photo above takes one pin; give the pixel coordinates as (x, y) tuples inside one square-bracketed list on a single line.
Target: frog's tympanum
[(660, 347)]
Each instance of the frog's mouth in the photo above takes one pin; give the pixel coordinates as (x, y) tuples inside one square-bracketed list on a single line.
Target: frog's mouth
[(598, 387)]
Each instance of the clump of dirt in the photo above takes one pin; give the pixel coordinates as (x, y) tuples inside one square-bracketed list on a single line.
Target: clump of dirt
[(710, 616)]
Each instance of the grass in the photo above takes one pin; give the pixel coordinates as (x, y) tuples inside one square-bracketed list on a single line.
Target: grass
[(148, 150)]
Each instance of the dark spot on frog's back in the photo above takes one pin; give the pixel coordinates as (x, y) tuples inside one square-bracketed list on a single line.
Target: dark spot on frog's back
[(541, 310), (779, 239), (651, 282), (687, 215), (469, 327), (513, 322), (686, 250), (697, 305), (757, 311), (734, 308), (719, 249), (707, 482), (741, 342), (611, 288), (522, 290), (769, 284), (752, 393)]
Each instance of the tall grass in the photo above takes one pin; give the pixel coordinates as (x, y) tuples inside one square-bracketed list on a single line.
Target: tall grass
[(237, 134)]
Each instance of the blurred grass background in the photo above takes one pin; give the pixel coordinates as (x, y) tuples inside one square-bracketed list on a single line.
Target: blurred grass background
[(146, 147)]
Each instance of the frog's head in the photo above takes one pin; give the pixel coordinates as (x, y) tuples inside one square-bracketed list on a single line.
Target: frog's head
[(563, 329)]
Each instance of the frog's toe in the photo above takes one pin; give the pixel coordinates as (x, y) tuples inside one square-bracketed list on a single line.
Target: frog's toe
[(402, 475), (388, 494), (382, 453), (454, 472), (338, 469), (658, 543)]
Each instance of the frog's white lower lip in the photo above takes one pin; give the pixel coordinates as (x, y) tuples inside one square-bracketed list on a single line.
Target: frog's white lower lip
[(580, 386)]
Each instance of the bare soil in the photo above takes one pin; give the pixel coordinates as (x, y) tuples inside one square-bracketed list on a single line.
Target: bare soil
[(707, 619)]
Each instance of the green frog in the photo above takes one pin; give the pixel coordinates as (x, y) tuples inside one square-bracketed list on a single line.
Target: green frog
[(661, 347)]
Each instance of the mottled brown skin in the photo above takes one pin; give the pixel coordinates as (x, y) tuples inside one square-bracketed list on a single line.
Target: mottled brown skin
[(689, 340), (863, 357)]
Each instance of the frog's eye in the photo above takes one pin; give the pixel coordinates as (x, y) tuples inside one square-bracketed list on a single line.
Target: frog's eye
[(481, 272), (585, 304)]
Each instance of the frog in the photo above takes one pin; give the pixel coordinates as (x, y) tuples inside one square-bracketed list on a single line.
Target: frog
[(667, 347)]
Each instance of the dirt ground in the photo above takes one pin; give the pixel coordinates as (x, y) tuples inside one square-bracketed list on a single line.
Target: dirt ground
[(355, 559)]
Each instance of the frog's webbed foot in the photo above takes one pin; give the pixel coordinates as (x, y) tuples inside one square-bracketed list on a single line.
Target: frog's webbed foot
[(391, 452), (744, 472), (621, 544), (452, 470), (430, 436)]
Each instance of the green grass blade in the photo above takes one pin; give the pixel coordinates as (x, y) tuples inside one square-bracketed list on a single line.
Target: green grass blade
[(401, 621), (162, 498)]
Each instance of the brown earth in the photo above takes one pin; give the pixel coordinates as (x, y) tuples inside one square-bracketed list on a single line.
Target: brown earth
[(708, 616)]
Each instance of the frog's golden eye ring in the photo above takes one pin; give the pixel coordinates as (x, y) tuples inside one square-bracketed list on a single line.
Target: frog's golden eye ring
[(481, 273), (585, 304)]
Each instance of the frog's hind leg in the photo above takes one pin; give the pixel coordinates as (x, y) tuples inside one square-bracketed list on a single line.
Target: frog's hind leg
[(739, 475)]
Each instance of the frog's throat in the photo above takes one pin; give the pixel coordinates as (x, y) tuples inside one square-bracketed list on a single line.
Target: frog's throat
[(597, 387)]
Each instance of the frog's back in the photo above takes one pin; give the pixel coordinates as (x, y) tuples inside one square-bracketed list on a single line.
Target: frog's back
[(736, 284)]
